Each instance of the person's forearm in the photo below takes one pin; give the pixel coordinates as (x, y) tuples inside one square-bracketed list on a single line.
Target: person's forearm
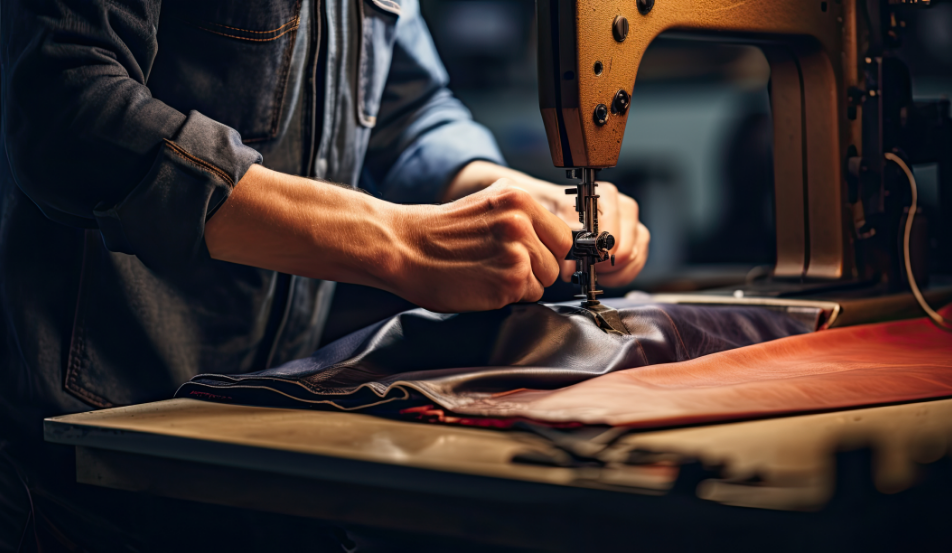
[(305, 227), (484, 251)]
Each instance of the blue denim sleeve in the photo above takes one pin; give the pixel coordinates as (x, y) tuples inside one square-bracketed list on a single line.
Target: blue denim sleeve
[(91, 147), (423, 135)]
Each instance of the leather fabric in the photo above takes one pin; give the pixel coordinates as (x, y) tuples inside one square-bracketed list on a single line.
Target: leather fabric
[(464, 359), (842, 368)]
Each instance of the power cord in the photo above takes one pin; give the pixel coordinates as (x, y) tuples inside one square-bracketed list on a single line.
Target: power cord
[(938, 319)]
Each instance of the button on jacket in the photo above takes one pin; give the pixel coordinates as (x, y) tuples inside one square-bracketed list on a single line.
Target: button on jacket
[(127, 123)]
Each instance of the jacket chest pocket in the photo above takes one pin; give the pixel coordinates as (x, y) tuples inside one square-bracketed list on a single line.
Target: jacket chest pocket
[(378, 28), (228, 59)]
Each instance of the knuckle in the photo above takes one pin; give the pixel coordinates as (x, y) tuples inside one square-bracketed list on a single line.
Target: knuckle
[(512, 227), (510, 256), (514, 197), (500, 197), (500, 184)]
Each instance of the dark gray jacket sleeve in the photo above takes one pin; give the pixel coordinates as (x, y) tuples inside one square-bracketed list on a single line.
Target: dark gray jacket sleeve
[(89, 145), (423, 135)]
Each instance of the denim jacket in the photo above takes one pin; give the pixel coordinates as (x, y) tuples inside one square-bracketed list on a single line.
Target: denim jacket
[(127, 123)]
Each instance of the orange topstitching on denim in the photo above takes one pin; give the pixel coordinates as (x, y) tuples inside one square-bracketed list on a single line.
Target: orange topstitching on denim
[(293, 21), (204, 164)]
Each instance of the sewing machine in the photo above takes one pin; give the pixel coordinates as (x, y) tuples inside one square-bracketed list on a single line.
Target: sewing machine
[(841, 104)]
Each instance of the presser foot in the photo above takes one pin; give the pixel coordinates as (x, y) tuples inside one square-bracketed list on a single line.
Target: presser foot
[(606, 318)]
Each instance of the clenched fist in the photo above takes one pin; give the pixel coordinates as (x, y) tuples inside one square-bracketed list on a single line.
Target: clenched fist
[(484, 251), (618, 214)]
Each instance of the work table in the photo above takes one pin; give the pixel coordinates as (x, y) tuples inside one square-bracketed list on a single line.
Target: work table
[(461, 482)]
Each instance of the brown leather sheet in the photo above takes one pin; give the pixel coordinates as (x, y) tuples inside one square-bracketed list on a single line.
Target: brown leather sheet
[(833, 369)]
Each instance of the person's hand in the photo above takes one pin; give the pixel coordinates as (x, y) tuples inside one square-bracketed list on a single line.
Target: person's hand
[(492, 248), (618, 214), (485, 251)]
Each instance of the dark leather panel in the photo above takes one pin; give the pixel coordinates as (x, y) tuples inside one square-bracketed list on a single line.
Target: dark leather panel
[(456, 360)]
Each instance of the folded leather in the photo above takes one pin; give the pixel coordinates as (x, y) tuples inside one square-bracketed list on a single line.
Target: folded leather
[(466, 359)]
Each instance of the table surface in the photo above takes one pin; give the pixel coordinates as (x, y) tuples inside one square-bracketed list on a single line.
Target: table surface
[(792, 458)]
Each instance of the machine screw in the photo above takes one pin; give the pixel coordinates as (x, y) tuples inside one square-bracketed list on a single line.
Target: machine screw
[(644, 6), (621, 102), (620, 28), (601, 114)]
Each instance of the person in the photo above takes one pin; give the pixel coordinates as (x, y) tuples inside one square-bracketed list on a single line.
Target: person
[(169, 206)]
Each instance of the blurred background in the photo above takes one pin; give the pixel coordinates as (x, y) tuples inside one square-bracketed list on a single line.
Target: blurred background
[(696, 154)]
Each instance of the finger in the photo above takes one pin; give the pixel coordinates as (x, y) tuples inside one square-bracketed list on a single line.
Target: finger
[(551, 230), (644, 244), (608, 209), (534, 290), (548, 227), (637, 263), (626, 239), (545, 266), (568, 269)]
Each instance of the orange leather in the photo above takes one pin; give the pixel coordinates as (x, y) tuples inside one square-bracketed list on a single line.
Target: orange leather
[(828, 370)]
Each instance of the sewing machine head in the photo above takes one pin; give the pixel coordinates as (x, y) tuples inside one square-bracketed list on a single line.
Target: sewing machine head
[(839, 104)]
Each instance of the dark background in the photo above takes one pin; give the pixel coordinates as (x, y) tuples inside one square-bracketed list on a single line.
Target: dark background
[(696, 153)]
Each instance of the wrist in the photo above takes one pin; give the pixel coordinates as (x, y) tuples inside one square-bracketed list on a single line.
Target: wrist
[(391, 253)]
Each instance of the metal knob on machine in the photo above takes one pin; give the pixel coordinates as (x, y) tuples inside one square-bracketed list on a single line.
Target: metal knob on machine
[(594, 245)]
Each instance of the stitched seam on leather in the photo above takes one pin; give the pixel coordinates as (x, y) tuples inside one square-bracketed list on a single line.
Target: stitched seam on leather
[(294, 21), (246, 38), (201, 163)]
